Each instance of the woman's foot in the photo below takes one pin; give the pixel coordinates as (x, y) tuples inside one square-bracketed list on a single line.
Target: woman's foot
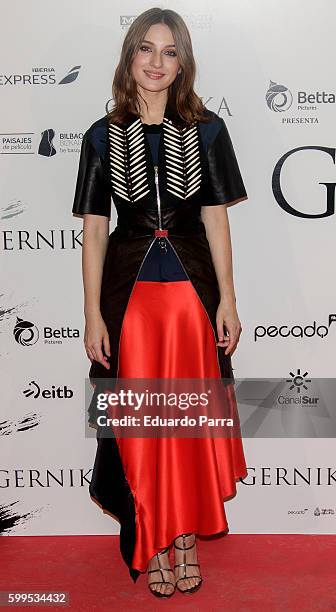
[(161, 579), (187, 571)]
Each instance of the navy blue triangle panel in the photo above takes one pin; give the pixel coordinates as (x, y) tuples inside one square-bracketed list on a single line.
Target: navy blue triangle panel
[(161, 265), (153, 133)]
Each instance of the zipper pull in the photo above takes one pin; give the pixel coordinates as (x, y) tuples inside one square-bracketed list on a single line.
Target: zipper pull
[(163, 245)]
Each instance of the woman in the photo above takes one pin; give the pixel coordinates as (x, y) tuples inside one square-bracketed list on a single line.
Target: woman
[(157, 290)]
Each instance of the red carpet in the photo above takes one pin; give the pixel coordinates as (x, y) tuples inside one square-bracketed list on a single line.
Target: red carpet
[(241, 573)]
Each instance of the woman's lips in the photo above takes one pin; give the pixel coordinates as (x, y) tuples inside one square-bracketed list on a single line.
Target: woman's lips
[(153, 75)]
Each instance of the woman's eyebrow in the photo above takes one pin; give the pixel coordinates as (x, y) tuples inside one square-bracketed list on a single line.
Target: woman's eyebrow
[(151, 43)]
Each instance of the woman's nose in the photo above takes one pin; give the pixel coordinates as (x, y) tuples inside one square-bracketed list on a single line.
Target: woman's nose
[(156, 59)]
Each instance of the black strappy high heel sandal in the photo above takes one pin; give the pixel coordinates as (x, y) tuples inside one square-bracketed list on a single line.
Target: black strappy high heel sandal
[(185, 565), (163, 581)]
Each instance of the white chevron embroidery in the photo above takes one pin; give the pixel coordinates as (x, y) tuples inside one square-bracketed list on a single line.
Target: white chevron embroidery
[(135, 185), (183, 165)]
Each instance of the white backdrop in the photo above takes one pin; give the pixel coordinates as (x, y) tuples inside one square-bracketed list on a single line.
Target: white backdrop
[(254, 59)]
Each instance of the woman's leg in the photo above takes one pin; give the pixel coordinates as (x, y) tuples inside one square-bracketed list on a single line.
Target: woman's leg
[(186, 567), (160, 575)]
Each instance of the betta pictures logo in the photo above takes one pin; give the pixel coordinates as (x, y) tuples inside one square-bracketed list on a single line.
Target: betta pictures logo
[(26, 333), (279, 99), (39, 76)]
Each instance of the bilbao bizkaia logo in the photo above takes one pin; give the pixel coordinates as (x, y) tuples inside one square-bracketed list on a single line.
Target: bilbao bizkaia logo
[(46, 146), (46, 75), (41, 143), (27, 333), (295, 331)]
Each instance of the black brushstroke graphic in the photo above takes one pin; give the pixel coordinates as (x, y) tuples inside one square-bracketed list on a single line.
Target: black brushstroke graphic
[(9, 518), (5, 313), (13, 209), (26, 422)]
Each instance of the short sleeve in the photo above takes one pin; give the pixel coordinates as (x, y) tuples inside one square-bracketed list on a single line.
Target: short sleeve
[(92, 192), (225, 184)]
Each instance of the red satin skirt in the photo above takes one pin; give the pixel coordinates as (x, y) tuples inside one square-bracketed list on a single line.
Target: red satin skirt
[(178, 484)]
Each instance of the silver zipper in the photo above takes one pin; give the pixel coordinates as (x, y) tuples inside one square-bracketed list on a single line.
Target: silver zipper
[(156, 169), (162, 239)]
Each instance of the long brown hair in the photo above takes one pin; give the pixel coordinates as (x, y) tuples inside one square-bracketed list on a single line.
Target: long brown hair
[(182, 98)]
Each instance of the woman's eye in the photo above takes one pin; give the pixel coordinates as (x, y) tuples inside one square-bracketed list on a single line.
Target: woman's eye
[(170, 53)]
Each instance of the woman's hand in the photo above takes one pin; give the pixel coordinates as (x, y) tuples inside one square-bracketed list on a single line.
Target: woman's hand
[(227, 315), (215, 219), (96, 336)]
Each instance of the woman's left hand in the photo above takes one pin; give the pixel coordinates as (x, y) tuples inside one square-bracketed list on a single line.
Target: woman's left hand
[(227, 315)]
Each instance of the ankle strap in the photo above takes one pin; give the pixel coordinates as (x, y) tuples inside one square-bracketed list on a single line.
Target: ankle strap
[(183, 536)]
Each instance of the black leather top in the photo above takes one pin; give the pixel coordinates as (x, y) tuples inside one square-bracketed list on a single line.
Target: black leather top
[(183, 156)]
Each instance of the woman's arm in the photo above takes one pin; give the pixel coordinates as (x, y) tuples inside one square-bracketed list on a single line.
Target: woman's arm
[(95, 241), (217, 229)]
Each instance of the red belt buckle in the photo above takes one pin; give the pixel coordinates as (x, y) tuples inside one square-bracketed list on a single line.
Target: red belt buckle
[(161, 232)]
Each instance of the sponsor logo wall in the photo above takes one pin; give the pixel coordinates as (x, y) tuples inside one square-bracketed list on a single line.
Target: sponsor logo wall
[(275, 92)]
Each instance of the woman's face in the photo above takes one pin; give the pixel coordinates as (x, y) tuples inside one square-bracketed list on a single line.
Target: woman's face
[(155, 65)]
